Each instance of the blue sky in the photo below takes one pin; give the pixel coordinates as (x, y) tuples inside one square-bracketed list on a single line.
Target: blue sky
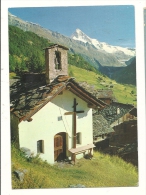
[(114, 25)]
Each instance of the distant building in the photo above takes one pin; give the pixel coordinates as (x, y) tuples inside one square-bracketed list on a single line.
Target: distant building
[(113, 121)]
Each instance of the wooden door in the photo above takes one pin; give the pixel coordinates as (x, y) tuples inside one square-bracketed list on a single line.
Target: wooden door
[(58, 146)]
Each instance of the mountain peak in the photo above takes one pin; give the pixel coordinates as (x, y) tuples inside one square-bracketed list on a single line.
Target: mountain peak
[(78, 30), (78, 35)]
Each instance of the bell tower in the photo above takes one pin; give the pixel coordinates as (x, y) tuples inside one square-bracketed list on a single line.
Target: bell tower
[(56, 60)]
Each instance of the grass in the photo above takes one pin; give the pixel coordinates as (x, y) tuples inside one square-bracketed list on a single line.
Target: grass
[(13, 75), (122, 92), (102, 171)]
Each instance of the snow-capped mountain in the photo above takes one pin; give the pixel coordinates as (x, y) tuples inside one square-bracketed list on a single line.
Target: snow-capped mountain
[(81, 36)]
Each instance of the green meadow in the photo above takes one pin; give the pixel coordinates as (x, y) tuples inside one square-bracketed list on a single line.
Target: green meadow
[(123, 93), (101, 171)]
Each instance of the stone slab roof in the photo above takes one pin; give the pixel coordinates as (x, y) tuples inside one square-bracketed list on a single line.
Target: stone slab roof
[(133, 112), (105, 93), (56, 45), (101, 125), (100, 93), (28, 98), (110, 111)]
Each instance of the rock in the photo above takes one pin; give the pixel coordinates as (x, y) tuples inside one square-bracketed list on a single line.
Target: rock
[(25, 171), (19, 174), (80, 186), (27, 152), (77, 186)]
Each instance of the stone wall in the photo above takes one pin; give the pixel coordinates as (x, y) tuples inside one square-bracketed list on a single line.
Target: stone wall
[(131, 157), (123, 142), (50, 57), (102, 144), (125, 133)]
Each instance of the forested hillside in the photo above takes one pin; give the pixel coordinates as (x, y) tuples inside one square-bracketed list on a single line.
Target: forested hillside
[(126, 75), (26, 52)]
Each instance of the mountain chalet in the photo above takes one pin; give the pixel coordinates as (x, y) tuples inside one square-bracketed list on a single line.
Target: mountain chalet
[(51, 114)]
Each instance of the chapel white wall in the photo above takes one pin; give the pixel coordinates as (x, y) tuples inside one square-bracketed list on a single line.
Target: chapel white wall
[(45, 125)]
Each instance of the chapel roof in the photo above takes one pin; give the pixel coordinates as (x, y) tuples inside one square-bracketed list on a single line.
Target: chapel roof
[(101, 125), (28, 98), (100, 93)]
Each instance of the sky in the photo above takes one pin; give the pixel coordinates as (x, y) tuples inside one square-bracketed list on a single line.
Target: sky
[(114, 25)]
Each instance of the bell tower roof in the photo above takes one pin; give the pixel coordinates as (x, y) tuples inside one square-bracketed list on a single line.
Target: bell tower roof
[(56, 45)]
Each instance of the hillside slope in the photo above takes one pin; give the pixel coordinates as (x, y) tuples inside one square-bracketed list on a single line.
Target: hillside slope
[(123, 93), (101, 171)]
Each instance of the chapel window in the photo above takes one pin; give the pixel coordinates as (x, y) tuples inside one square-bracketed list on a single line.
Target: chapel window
[(40, 146), (78, 138)]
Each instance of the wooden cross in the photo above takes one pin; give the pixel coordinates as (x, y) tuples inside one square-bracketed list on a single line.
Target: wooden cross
[(74, 122)]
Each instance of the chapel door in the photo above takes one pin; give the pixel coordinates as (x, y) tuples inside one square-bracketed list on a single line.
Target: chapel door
[(59, 150)]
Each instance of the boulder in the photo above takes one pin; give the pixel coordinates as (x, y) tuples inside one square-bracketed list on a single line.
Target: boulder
[(19, 174), (27, 152)]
